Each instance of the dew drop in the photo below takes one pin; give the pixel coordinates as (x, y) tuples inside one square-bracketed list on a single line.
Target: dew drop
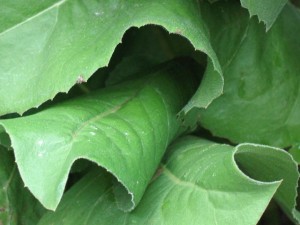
[(61, 186), (94, 127), (98, 13), (40, 142)]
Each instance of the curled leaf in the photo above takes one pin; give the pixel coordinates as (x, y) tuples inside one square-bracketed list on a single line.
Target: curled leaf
[(124, 128)]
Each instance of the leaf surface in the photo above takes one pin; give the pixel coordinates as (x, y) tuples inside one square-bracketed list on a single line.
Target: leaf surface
[(124, 128), (261, 100), (200, 183), (65, 40)]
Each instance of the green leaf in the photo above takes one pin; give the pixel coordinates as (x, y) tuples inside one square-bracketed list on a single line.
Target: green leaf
[(267, 10), (261, 100), (124, 128), (200, 183), (269, 164), (17, 205), (209, 87), (90, 201), (64, 40)]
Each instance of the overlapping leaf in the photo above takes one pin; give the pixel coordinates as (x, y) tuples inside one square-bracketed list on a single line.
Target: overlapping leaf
[(261, 100), (124, 128), (46, 46), (17, 205), (267, 11), (269, 164), (200, 183)]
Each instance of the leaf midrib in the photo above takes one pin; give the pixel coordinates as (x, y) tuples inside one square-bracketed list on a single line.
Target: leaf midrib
[(178, 181), (95, 118), (103, 115), (57, 4), (116, 108)]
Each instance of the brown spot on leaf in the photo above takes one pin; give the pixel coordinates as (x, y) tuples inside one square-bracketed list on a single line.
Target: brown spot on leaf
[(157, 173)]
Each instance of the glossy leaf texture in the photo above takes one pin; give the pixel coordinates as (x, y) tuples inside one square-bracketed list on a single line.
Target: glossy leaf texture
[(17, 205), (267, 11), (199, 183), (261, 100), (63, 41), (124, 128)]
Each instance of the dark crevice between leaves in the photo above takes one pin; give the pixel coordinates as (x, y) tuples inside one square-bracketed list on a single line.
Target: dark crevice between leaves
[(298, 196), (206, 134), (295, 3), (82, 167), (151, 45), (20, 205), (79, 89), (274, 215), (78, 170), (5, 139)]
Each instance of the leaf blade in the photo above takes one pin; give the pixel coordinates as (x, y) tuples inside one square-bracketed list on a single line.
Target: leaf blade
[(259, 164), (259, 72), (124, 128), (54, 50), (185, 192), (267, 11)]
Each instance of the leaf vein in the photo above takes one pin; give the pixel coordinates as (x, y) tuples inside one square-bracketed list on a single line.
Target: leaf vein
[(57, 4)]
